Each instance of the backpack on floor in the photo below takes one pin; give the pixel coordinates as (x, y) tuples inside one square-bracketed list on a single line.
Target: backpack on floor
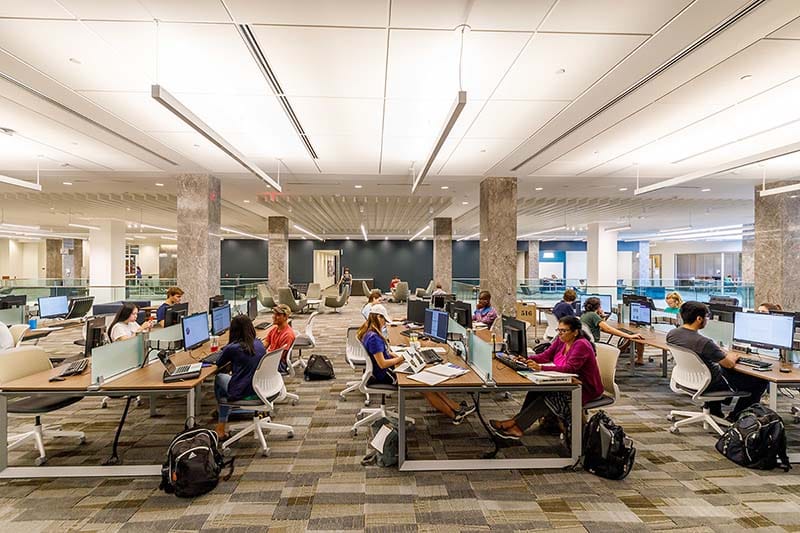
[(607, 451), (193, 464), (318, 368), (387, 456), (756, 440)]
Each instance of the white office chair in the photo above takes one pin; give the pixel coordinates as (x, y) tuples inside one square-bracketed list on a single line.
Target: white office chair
[(552, 326), (607, 357), (20, 362), (17, 332), (691, 376), (269, 386), (355, 355), (306, 340), (368, 415)]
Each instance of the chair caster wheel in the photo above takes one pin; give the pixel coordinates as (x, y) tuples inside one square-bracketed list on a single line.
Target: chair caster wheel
[(290, 435), (366, 403), (354, 432), (103, 405), (294, 402), (343, 397), (138, 403), (82, 440), (796, 419), (670, 418), (265, 453), (674, 430), (226, 452), (40, 461)]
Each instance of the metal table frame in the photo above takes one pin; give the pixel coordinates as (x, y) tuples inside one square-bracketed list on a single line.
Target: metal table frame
[(411, 465)]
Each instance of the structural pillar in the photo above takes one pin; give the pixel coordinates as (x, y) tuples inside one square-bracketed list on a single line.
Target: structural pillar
[(532, 262), (640, 269), (498, 244), (777, 243), (748, 259), (198, 238), (278, 260), (601, 259), (443, 252), (106, 261), (53, 259)]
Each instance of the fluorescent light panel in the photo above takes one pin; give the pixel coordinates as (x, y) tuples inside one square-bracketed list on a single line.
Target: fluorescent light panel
[(18, 226), (84, 226), (420, 232), (169, 238), (559, 228), (619, 228), (243, 234), (163, 97), (455, 111), (675, 230), (364, 232), (20, 183), (148, 226), (298, 228), (779, 190), (470, 236)]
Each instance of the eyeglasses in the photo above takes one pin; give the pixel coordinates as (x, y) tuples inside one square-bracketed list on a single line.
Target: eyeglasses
[(563, 330)]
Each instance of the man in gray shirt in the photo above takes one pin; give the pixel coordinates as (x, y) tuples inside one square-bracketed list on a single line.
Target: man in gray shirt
[(720, 363)]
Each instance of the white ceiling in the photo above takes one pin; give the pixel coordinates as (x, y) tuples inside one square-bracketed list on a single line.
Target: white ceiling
[(372, 81)]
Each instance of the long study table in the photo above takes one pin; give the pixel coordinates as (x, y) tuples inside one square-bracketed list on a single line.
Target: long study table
[(147, 380), (504, 380)]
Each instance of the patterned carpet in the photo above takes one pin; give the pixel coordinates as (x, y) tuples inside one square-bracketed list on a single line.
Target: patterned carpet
[(315, 481)]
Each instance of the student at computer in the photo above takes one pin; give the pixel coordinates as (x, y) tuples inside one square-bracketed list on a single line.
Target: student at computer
[(384, 360), (6, 339), (572, 352), (438, 290), (243, 352), (124, 325), (566, 307), (721, 364), (174, 295), (593, 317), (373, 298), (280, 334), (674, 302), (485, 313), (768, 307)]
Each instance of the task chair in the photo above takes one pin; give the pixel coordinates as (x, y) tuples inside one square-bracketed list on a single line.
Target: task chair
[(426, 292), (365, 288), (17, 333), (285, 296), (305, 340), (335, 302), (607, 357), (368, 415), (400, 292), (552, 326), (21, 362), (355, 355), (692, 377), (270, 389), (265, 296)]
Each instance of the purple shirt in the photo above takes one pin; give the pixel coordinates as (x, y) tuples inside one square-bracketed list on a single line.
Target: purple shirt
[(580, 360), (485, 315)]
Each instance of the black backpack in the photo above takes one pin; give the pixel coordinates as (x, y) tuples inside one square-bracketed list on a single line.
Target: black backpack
[(318, 367), (607, 451), (388, 456), (756, 440), (193, 464)]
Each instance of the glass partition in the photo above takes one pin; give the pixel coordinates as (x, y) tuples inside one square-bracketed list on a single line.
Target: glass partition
[(719, 332), (115, 358), (480, 356), (15, 315)]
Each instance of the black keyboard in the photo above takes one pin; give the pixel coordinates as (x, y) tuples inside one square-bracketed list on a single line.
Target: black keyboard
[(430, 356), (511, 362), (75, 368), (755, 363), (626, 331), (212, 358)]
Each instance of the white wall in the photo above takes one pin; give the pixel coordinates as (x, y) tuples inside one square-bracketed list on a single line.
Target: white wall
[(520, 265), (33, 259), (669, 249), (148, 259), (625, 265), (576, 265)]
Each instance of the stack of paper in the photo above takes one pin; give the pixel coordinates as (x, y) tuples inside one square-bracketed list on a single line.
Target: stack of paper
[(428, 378), (548, 377), (439, 373)]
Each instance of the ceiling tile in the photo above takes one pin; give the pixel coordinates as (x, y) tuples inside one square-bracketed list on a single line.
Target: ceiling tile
[(514, 119), (507, 15), (789, 31), (116, 10), (471, 156), (612, 16), (311, 12), (339, 116), (27, 9)]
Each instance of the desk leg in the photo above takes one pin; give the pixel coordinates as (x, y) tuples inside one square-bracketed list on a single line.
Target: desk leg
[(3, 432), (664, 355), (577, 425), (190, 412), (773, 395), (633, 357), (198, 397), (152, 400), (401, 428)]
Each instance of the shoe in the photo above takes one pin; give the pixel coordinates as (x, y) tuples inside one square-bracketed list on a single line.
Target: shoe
[(732, 418), (462, 413), (501, 433)]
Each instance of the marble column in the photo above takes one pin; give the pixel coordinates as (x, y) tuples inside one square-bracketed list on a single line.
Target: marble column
[(777, 247), (443, 252), (278, 260), (601, 258), (498, 244), (532, 264), (77, 259), (198, 238), (640, 269), (107, 261), (748, 259), (53, 259)]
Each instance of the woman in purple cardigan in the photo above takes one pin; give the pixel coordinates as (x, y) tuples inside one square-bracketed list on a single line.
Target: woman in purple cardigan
[(572, 353)]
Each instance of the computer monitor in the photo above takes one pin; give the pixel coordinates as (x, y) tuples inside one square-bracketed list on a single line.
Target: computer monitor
[(439, 301), (95, 330), (216, 301), (252, 308), (461, 312), (724, 313), (174, 313), (795, 316), (605, 301), (195, 330), (436, 323), (415, 311), (640, 314), (53, 307), (220, 319), (764, 331), (723, 300), (13, 300), (514, 336)]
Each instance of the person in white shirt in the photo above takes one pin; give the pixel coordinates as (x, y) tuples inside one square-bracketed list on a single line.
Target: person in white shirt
[(373, 298), (439, 290), (6, 340), (124, 325)]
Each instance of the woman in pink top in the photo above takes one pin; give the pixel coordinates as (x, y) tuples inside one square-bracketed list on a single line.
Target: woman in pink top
[(571, 353)]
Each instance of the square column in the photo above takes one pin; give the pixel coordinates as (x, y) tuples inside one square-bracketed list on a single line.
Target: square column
[(748, 259), (107, 261), (532, 264), (601, 257), (198, 238), (53, 265), (278, 260), (777, 246), (498, 244), (640, 268), (443, 252)]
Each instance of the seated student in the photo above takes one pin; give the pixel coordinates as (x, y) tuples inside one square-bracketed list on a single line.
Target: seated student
[(674, 302), (438, 290), (174, 295), (721, 364), (280, 334), (768, 307), (124, 325), (394, 282), (593, 318), (243, 352), (373, 298), (384, 360), (566, 306), (572, 352), (6, 339), (484, 313)]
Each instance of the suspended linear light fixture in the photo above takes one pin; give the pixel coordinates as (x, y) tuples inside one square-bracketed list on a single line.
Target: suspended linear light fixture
[(243, 234), (298, 228), (420, 232)]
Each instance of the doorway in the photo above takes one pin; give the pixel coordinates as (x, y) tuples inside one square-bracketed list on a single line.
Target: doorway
[(326, 265)]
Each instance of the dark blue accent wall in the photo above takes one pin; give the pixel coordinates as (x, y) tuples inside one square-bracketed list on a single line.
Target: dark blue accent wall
[(466, 260), (243, 258)]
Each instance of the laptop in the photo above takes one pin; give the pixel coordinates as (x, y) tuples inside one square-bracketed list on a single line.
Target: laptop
[(178, 373), (414, 362)]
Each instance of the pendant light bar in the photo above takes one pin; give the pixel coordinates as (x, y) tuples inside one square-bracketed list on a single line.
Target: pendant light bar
[(20, 183), (455, 112), (298, 228)]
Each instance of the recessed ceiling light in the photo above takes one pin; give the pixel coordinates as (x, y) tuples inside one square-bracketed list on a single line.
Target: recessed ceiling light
[(386, 238), (247, 201), (159, 184), (75, 60), (561, 71), (623, 189), (348, 237), (746, 77), (596, 152), (66, 183), (705, 190), (196, 145), (445, 187), (538, 188), (483, 150), (127, 209), (358, 186), (464, 203)]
